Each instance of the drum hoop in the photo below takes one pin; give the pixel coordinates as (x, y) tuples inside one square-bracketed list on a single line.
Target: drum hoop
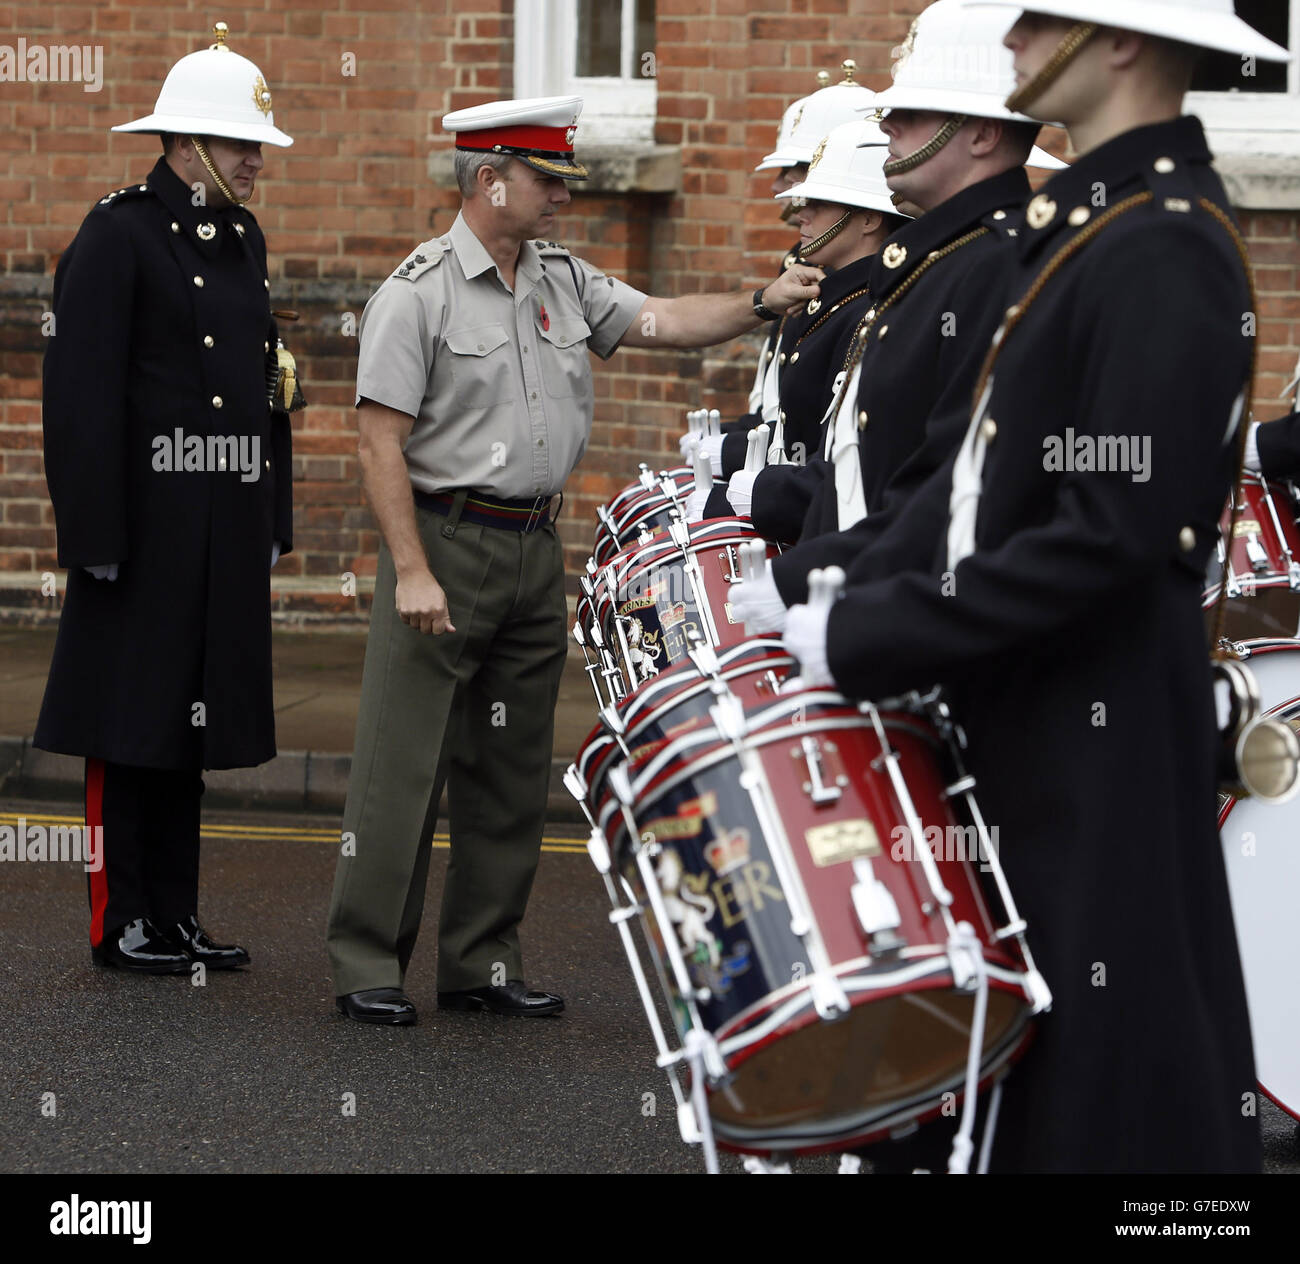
[(649, 552), (688, 687)]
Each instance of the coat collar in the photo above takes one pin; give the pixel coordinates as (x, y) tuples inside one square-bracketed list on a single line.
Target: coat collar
[(1144, 157), (203, 225), (990, 203)]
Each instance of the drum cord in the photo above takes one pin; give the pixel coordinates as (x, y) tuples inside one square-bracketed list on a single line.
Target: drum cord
[(1016, 313)]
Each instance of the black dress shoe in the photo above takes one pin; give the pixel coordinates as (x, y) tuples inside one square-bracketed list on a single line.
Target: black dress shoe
[(142, 947), (197, 945), (513, 997), (378, 1005)]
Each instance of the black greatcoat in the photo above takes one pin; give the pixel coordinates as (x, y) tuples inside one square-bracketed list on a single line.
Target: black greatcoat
[(1074, 649), (813, 346), (920, 357), (1279, 447), (188, 619)]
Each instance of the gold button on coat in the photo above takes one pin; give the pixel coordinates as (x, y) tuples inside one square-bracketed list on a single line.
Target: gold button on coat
[(1164, 165), (988, 430), (198, 281), (216, 401), (208, 341), (1187, 539), (1079, 216)]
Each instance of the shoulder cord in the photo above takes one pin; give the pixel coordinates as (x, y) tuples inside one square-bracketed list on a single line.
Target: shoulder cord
[(858, 343), (1015, 314)]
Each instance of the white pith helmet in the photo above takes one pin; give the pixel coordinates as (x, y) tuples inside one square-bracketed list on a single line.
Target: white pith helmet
[(777, 158), (1210, 24), (847, 169), (953, 62), (213, 92), (825, 110)]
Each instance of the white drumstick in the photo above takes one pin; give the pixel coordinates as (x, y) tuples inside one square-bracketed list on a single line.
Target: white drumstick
[(715, 422), (753, 560), (756, 451), (703, 471), (825, 588)]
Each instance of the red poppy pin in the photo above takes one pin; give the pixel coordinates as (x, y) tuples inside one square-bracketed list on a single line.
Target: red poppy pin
[(546, 320)]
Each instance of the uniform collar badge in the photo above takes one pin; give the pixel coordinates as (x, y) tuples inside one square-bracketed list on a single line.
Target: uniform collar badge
[(206, 232), (893, 255)]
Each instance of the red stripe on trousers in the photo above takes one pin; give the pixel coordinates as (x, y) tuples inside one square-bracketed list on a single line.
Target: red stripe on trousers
[(95, 820)]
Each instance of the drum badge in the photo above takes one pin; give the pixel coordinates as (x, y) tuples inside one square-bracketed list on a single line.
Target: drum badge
[(642, 649), (728, 852), (689, 911)]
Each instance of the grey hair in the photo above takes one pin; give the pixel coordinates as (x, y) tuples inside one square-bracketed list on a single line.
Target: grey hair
[(468, 164)]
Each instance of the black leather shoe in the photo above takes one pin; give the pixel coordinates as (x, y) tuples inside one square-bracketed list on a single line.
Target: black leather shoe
[(198, 946), (142, 947), (512, 998), (378, 1005)]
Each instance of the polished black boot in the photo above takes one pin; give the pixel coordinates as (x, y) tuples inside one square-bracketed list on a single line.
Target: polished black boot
[(198, 946), (389, 1006), (142, 947)]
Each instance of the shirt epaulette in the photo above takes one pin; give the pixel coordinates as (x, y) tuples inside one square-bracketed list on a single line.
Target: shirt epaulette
[(420, 262), (545, 248), (123, 195)]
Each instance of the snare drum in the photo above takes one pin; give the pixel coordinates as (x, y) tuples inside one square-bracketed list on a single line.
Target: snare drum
[(651, 600), (648, 505), (1263, 560), (1261, 851), (778, 860)]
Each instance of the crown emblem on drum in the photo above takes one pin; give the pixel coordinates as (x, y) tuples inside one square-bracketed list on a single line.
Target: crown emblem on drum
[(903, 51), (729, 852), (261, 95)]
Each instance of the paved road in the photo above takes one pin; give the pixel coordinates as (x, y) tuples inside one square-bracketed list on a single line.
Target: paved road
[(250, 1072)]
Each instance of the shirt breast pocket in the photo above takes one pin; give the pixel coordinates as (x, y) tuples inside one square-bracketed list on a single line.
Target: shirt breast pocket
[(566, 370), (480, 369)]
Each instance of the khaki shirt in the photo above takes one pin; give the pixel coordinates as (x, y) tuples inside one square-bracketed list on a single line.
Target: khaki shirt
[(499, 384)]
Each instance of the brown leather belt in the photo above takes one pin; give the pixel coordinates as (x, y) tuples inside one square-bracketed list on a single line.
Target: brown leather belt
[(487, 511)]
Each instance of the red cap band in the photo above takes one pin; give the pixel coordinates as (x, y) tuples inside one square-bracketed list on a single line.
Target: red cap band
[(551, 140)]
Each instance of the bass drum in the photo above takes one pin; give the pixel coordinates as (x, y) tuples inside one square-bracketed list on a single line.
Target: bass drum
[(1261, 851)]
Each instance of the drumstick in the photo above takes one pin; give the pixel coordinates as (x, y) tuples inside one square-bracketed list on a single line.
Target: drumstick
[(756, 451), (703, 471), (715, 422), (753, 559), (825, 587)]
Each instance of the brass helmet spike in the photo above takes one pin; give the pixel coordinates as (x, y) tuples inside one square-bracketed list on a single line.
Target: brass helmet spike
[(823, 78), (220, 30), (850, 68)]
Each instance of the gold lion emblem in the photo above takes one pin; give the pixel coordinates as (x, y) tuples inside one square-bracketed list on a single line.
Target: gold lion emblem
[(261, 95)]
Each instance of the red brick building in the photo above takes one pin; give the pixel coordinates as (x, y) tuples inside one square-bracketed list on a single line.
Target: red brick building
[(683, 100)]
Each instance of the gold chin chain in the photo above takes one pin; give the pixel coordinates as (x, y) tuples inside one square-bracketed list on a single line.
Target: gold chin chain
[(896, 166), (217, 178), (829, 235), (1075, 38)]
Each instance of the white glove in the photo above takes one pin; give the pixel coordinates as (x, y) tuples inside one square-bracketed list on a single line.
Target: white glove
[(685, 442), (695, 503), (758, 603), (1251, 460), (740, 491), (275, 553), (107, 571), (711, 446), (805, 638)]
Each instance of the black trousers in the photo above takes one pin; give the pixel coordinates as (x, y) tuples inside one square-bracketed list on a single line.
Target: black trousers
[(149, 844)]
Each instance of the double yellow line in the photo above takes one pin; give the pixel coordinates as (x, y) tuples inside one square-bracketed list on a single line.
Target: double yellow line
[(286, 834)]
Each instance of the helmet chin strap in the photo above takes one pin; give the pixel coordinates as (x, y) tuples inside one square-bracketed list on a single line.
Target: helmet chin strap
[(951, 126), (217, 178), (1075, 38), (832, 232)]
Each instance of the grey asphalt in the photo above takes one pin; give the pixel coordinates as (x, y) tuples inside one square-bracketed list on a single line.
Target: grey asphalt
[(249, 1073)]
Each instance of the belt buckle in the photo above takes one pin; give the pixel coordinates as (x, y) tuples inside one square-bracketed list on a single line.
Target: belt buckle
[(535, 513)]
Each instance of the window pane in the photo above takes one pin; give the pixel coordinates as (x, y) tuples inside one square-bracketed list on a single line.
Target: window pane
[(1227, 72), (645, 33), (600, 32)]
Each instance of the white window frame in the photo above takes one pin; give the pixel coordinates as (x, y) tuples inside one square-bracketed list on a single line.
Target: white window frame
[(1255, 122), (615, 110)]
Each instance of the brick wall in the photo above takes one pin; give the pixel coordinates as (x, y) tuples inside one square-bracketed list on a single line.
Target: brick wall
[(361, 85)]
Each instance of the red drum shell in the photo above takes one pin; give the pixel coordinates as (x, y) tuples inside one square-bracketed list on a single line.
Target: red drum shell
[(799, 1084)]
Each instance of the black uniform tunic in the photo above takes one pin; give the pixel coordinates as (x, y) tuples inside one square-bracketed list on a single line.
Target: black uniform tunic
[(1073, 646), (921, 355), (162, 322), (814, 345)]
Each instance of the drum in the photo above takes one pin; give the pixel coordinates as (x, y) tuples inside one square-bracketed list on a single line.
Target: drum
[(1261, 851), (814, 912), (652, 599), (673, 703), (1263, 560), (650, 504)]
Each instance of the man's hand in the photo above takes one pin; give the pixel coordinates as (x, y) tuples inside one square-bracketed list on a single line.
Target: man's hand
[(108, 571), (797, 285), (422, 604)]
